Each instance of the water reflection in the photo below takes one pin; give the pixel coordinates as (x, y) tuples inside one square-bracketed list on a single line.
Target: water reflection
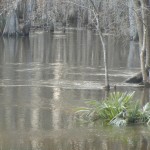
[(133, 57), (145, 98), (82, 141), (43, 77), (56, 99)]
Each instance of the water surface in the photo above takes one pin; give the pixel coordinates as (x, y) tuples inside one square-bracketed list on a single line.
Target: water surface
[(44, 77)]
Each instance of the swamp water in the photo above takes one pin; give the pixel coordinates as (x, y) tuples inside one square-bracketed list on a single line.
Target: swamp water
[(44, 77)]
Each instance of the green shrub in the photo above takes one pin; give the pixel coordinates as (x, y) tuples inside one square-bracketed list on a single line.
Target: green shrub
[(117, 109)]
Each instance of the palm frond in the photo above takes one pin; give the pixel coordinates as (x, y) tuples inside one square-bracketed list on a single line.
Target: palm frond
[(118, 122), (108, 109)]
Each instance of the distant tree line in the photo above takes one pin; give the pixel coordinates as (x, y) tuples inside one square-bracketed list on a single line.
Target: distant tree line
[(17, 17), (130, 18)]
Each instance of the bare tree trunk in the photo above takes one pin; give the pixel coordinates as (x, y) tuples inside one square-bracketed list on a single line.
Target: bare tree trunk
[(27, 17), (142, 59), (139, 22), (146, 11), (96, 13), (105, 55), (142, 27), (133, 28), (12, 25), (2, 24), (145, 36)]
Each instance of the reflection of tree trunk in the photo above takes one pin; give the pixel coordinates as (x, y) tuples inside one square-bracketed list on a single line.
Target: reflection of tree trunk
[(143, 143), (26, 49), (11, 47), (89, 49), (2, 52), (107, 93), (145, 96), (133, 57), (56, 113), (112, 54)]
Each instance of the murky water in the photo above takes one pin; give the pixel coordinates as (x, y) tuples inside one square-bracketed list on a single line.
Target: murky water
[(44, 77)]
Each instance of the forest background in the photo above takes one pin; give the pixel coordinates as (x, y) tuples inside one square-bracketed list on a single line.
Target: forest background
[(126, 18)]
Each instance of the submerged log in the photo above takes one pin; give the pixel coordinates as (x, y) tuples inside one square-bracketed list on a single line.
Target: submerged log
[(137, 78)]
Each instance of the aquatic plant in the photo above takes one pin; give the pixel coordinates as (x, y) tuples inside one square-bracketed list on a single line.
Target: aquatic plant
[(117, 109)]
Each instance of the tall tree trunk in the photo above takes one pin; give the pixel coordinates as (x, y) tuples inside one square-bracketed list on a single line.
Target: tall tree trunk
[(104, 53), (12, 25), (141, 10), (133, 29), (96, 13), (27, 17), (145, 46), (139, 22), (142, 58), (146, 11)]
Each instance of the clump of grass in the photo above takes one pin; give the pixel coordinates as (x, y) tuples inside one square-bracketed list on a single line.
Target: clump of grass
[(117, 109)]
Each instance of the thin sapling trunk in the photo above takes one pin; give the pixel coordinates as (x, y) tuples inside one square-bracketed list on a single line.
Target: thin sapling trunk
[(96, 14)]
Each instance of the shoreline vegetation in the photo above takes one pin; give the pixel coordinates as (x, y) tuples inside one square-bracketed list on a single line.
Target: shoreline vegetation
[(118, 109)]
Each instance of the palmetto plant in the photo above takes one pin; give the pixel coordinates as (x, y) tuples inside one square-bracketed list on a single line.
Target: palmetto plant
[(117, 109)]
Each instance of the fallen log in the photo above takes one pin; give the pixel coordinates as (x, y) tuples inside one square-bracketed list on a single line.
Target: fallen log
[(137, 78)]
